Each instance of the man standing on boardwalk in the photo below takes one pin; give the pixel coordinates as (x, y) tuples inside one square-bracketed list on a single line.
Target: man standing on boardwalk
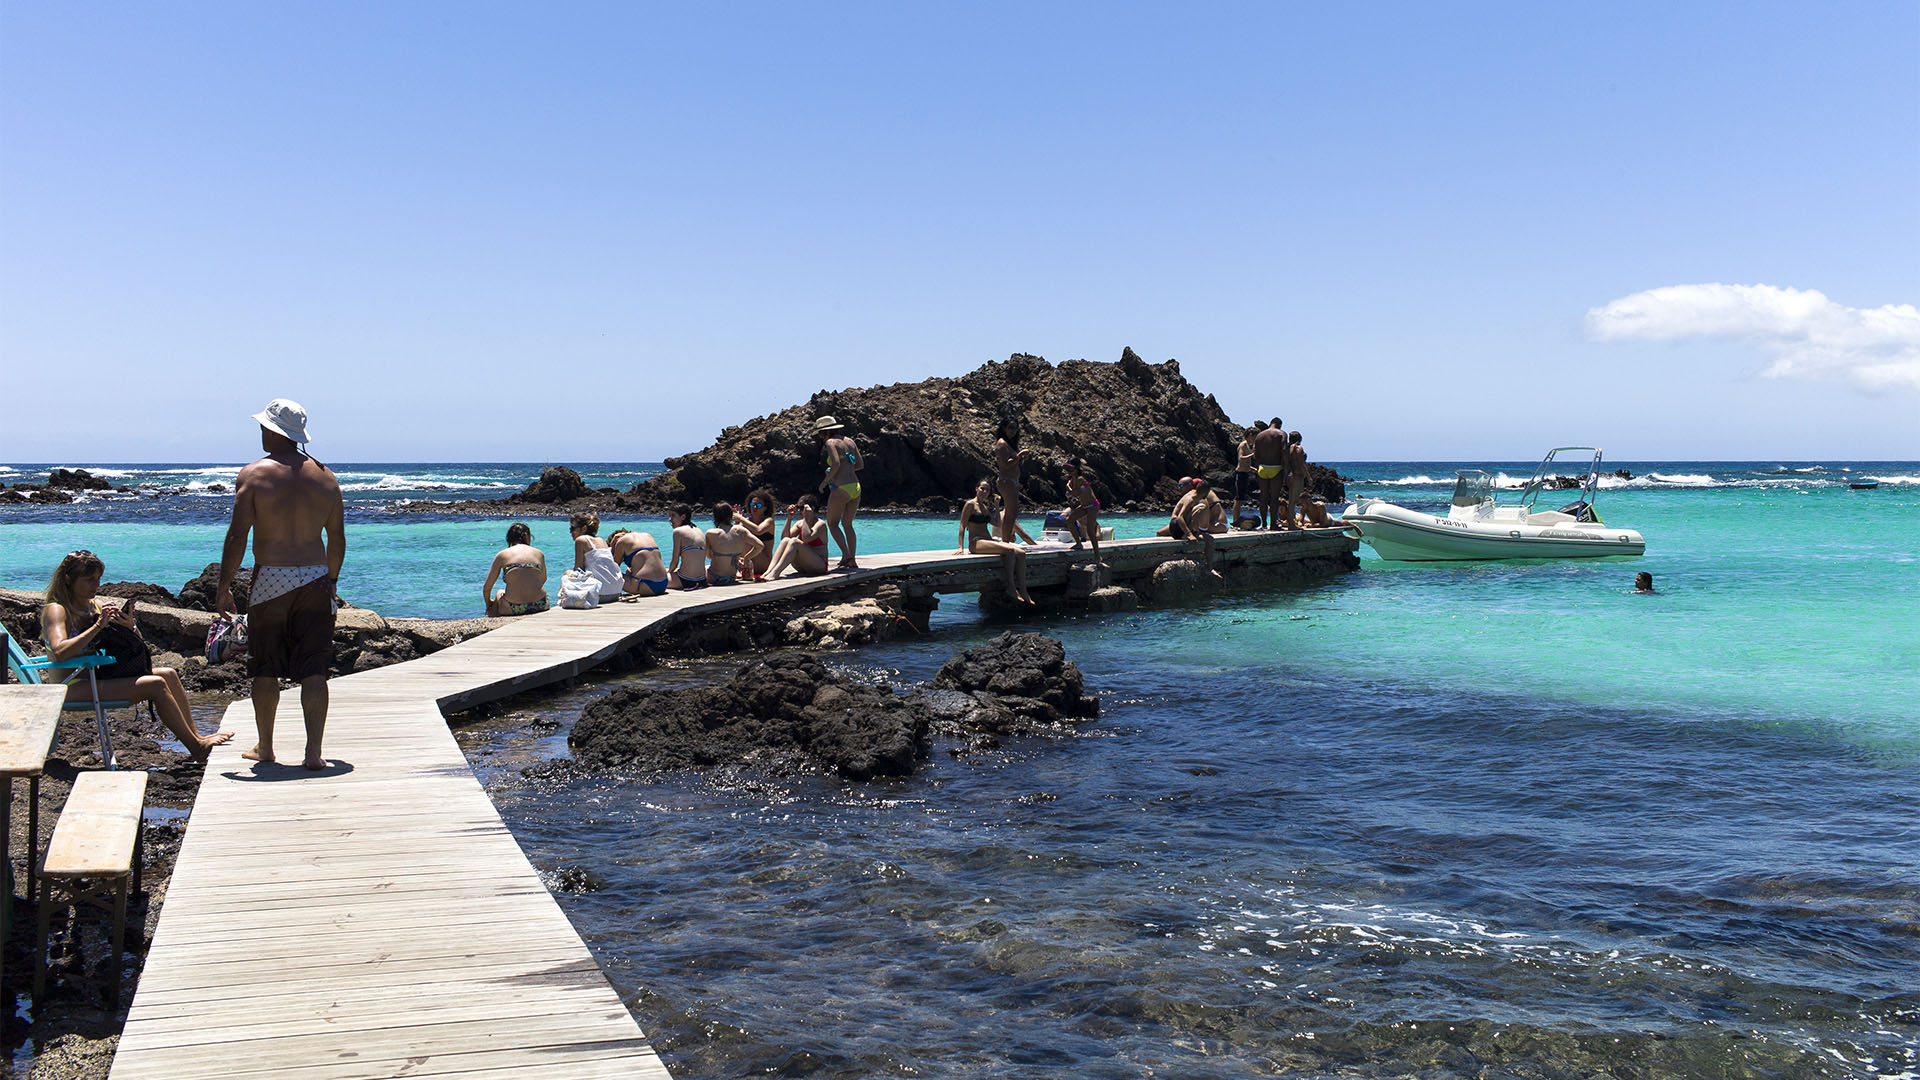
[(1296, 481), (1270, 465), (843, 485), (286, 500)]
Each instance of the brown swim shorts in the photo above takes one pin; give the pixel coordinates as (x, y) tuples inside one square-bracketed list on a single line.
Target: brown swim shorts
[(291, 635)]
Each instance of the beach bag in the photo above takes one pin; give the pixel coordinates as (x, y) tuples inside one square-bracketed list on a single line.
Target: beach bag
[(131, 657), (226, 638), (579, 589)]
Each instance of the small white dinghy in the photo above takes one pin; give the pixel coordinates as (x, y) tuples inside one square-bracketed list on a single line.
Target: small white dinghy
[(1477, 527)]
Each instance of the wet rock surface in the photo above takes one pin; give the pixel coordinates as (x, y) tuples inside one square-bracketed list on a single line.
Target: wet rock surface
[(791, 714), (786, 714)]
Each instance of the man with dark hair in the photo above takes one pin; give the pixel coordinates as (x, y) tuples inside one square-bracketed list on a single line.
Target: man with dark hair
[(287, 500), (1270, 465)]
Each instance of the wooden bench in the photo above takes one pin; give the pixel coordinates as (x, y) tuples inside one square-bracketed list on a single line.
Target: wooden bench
[(95, 849)]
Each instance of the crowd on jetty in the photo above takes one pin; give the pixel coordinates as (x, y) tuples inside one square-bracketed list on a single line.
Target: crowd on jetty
[(289, 504), (1270, 492)]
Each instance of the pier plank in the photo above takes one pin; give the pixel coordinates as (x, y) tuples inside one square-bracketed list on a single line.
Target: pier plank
[(376, 919)]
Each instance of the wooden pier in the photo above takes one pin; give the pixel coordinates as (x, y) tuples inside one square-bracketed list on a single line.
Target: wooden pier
[(376, 919)]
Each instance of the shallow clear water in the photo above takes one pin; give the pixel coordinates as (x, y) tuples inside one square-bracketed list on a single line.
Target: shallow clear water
[(1505, 819)]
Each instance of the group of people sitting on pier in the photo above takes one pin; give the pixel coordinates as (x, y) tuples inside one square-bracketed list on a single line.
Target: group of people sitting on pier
[(748, 547)]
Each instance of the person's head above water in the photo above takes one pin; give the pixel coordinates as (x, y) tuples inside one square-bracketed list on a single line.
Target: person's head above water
[(1643, 582)]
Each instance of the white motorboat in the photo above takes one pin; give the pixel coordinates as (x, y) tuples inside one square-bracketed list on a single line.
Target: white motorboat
[(1477, 527)]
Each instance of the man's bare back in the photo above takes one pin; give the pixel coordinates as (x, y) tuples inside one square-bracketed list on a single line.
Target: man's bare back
[(1270, 446), (288, 498)]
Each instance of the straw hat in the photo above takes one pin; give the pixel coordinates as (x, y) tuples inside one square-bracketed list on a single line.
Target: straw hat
[(826, 423), (284, 416)]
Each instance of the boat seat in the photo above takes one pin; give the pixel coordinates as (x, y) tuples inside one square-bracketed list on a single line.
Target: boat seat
[(1551, 517)]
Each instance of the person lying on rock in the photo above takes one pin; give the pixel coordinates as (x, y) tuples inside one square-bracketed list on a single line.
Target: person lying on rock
[(75, 623), (803, 544), (978, 516), (521, 570)]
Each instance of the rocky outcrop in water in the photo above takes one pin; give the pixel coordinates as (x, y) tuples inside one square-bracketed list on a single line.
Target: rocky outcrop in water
[(200, 593), (792, 714), (783, 714), (1138, 426)]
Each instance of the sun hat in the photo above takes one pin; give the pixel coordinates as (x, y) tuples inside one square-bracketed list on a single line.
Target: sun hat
[(826, 423), (284, 416)]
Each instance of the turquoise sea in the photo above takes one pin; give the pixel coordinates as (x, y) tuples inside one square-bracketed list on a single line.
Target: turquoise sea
[(1496, 819)]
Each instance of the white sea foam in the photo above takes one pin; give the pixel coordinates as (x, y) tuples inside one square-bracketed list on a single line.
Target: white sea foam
[(1412, 481), (1892, 479)]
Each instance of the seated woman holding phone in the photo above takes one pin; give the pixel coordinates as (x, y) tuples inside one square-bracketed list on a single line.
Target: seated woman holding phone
[(75, 623)]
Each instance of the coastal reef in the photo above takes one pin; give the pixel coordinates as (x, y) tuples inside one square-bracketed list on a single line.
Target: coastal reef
[(1139, 427), (792, 714), (60, 487)]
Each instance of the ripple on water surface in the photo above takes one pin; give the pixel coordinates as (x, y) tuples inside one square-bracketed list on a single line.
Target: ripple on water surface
[(1239, 872)]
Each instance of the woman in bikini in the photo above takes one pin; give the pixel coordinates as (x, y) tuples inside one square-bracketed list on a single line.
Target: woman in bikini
[(761, 522), (592, 554), (731, 547), (803, 545), (688, 569), (73, 623), (1083, 509), (644, 573), (977, 518), (1007, 456), (842, 488), (524, 592)]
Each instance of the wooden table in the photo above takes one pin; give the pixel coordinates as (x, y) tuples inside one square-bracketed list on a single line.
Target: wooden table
[(29, 715)]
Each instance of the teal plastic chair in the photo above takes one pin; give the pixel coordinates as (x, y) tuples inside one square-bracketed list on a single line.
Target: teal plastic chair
[(27, 669)]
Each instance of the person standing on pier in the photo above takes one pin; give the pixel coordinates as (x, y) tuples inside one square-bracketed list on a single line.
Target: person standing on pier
[(287, 501), (1269, 463), (1007, 457), (1244, 478), (842, 486), (1296, 480)]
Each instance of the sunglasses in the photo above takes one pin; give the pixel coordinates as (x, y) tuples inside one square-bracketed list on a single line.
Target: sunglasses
[(82, 553)]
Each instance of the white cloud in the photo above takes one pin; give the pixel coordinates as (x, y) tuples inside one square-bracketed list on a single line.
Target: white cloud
[(1808, 335)]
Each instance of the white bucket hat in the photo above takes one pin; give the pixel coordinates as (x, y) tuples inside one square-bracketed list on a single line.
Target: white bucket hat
[(285, 417)]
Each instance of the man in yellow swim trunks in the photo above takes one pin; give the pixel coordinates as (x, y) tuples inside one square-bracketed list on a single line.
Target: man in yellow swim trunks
[(843, 485), (1270, 465)]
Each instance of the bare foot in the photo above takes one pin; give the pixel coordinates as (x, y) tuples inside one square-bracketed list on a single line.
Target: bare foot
[(205, 749), (257, 754), (315, 763)]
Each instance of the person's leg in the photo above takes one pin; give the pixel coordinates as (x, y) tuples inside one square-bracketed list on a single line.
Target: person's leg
[(197, 744), (1020, 575), (782, 555), (836, 509), (852, 561), (1010, 503), (313, 706), (266, 699), (809, 560)]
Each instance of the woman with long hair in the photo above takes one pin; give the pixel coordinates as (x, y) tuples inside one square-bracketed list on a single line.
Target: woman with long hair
[(977, 518), (803, 544), (1007, 457), (74, 623), (765, 528)]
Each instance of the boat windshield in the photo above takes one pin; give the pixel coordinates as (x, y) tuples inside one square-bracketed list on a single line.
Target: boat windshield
[(1473, 489), (1544, 477)]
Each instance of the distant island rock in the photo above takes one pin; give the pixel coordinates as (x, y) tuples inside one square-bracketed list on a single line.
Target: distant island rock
[(1139, 427)]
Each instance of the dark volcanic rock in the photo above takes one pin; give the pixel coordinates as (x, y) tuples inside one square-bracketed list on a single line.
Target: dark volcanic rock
[(1027, 674), (141, 591), (77, 480), (1138, 426), (200, 592), (788, 713), (557, 484)]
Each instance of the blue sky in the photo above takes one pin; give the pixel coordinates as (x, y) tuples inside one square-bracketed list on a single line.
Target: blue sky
[(603, 232)]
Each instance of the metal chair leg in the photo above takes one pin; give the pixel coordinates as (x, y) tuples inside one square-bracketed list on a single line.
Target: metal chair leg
[(100, 722)]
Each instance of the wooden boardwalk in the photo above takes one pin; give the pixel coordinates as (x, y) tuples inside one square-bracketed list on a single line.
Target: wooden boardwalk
[(377, 919)]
